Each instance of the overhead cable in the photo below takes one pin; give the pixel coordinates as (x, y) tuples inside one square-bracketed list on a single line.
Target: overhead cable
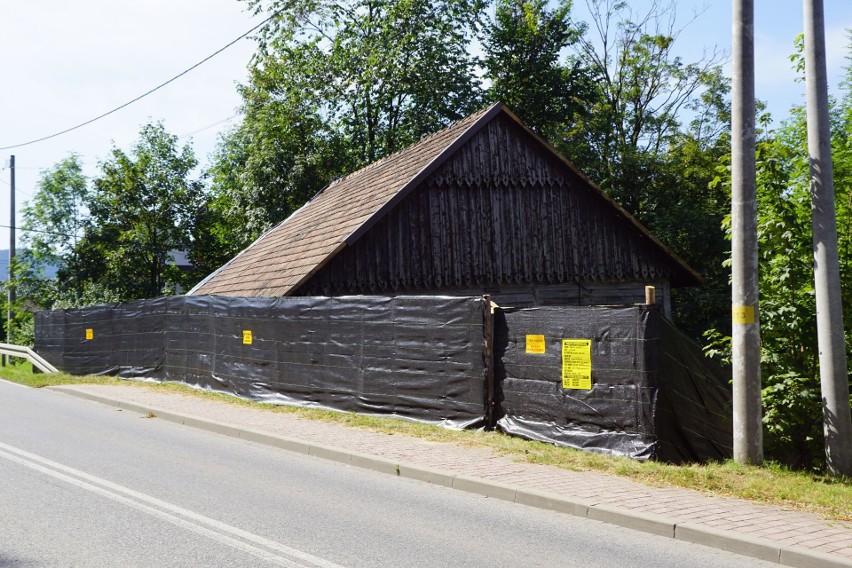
[(40, 231), (145, 94)]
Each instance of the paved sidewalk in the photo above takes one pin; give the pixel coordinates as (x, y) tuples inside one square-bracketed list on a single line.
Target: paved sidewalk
[(791, 538)]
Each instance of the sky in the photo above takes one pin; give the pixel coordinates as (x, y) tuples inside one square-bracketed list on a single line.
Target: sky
[(67, 62)]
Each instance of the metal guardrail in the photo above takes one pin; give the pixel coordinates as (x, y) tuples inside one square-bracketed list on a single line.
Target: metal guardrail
[(26, 353)]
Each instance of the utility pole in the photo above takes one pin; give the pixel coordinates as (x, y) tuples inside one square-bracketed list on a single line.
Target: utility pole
[(745, 333), (11, 283), (834, 380)]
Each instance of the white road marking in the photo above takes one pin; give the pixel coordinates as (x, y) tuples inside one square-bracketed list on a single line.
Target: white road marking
[(184, 518)]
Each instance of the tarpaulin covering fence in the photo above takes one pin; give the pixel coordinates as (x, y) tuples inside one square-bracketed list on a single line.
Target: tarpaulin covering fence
[(420, 357), (694, 406), (615, 379), (618, 380), (614, 411)]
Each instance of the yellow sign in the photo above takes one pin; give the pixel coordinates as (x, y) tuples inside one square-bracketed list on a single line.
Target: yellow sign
[(246, 337), (577, 364), (90, 334), (742, 314), (535, 344)]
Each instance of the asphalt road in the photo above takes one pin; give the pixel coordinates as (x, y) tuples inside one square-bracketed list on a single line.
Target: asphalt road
[(83, 484)]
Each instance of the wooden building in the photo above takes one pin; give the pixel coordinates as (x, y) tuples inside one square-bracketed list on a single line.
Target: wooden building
[(483, 206)]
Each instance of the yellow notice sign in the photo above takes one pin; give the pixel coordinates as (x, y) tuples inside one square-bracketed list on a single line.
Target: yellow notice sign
[(577, 364), (535, 344), (90, 334), (246, 337), (742, 314)]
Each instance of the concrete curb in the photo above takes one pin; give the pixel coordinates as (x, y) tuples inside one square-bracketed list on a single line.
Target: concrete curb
[(645, 522)]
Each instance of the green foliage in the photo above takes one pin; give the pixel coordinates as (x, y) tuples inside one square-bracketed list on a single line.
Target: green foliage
[(53, 219), (689, 209), (141, 209), (112, 239), (642, 89), (633, 144), (789, 354), (523, 49), (263, 170), (53, 222), (787, 312), (334, 86)]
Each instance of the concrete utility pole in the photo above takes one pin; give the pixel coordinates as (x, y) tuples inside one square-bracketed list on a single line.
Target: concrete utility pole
[(745, 335), (11, 287), (834, 379)]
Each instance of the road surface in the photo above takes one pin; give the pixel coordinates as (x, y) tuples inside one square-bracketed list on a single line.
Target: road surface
[(83, 484)]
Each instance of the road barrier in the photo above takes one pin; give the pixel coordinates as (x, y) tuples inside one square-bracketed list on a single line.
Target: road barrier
[(26, 353)]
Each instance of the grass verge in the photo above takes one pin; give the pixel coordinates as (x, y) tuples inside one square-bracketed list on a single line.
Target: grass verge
[(771, 484)]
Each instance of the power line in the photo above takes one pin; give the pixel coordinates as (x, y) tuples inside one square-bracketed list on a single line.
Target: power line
[(145, 94), (203, 128), (40, 231)]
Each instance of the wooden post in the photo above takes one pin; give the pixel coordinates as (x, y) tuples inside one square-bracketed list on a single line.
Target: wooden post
[(490, 418), (650, 295)]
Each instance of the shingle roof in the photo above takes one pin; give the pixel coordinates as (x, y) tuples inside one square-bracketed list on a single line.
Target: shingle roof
[(287, 255)]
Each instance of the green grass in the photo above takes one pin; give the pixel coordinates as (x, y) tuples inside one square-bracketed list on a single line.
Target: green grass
[(22, 373), (773, 484)]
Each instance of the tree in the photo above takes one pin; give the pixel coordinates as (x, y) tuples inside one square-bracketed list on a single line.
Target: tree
[(643, 88), (523, 47), (688, 208), (142, 206), (266, 168), (54, 221), (789, 350), (335, 86)]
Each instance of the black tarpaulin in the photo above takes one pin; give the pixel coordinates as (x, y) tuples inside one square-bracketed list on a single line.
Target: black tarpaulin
[(694, 406), (620, 380), (419, 357), (615, 415), (652, 391)]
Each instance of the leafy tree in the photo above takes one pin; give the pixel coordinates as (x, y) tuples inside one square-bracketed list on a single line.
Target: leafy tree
[(142, 206), (689, 208), (633, 141), (643, 88), (789, 350), (54, 220), (789, 361), (337, 85), (523, 47), (266, 168)]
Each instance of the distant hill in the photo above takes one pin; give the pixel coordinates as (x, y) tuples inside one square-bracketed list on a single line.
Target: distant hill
[(49, 271)]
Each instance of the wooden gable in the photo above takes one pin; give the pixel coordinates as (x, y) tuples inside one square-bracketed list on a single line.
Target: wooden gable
[(484, 203), (502, 211), (287, 255)]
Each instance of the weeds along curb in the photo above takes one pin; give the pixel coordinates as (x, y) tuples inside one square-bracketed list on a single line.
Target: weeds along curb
[(645, 522)]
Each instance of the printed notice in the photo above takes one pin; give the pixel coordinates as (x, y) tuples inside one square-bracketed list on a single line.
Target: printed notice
[(90, 334), (535, 344), (742, 314), (577, 364), (246, 337)]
